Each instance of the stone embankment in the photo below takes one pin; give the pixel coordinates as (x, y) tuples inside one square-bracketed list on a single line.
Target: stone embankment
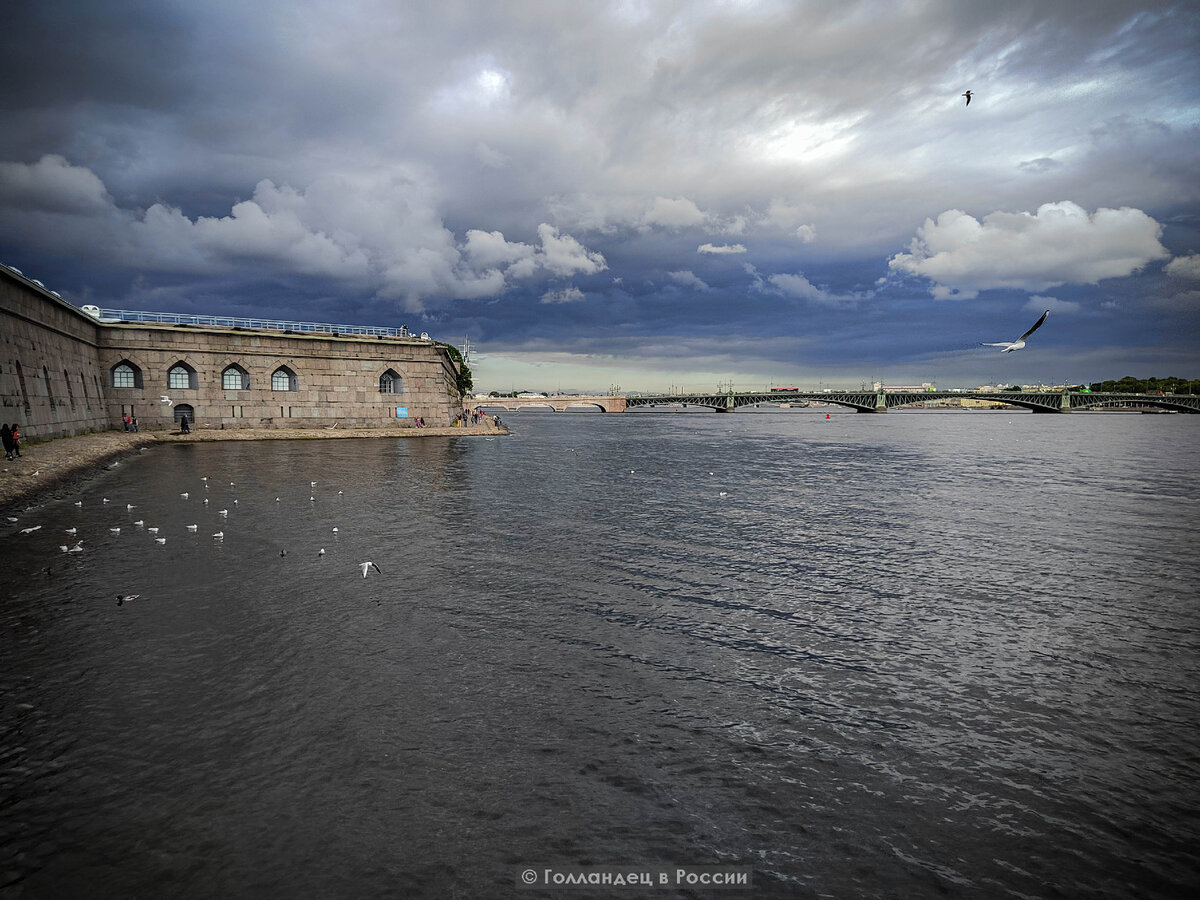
[(53, 468)]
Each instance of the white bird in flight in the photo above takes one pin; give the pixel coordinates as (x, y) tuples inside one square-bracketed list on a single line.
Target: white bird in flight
[(367, 566), (1010, 346), (167, 400)]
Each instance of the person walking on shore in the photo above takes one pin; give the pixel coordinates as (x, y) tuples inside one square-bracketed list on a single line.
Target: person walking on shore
[(183, 425), (6, 435), (16, 440)]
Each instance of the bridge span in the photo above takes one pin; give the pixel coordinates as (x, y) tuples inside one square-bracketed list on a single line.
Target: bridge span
[(860, 401)]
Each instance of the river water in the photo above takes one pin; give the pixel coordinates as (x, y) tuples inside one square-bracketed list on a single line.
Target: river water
[(920, 654)]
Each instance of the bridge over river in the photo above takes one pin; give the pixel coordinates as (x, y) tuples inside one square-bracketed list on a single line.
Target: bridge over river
[(861, 401)]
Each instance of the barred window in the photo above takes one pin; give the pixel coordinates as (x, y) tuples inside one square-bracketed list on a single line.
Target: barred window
[(181, 378), (390, 383), (235, 378), (284, 379), (125, 375)]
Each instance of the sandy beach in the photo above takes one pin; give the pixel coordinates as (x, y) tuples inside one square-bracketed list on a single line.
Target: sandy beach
[(52, 468)]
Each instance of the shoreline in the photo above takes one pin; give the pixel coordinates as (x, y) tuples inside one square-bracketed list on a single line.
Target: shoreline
[(49, 469)]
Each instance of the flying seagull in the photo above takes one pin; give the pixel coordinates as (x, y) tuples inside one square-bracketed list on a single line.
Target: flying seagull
[(163, 398), (367, 566), (967, 94), (1009, 346)]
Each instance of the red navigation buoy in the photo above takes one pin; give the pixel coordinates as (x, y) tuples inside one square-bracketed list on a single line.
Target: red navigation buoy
[(827, 415)]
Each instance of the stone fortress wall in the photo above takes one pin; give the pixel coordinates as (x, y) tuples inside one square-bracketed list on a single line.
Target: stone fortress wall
[(65, 372)]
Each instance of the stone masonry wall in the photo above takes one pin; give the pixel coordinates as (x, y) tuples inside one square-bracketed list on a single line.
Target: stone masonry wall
[(50, 380), (56, 373), (337, 379)]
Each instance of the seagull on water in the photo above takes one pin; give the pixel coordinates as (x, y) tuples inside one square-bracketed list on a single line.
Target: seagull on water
[(367, 566), (219, 535), (70, 531), (222, 512), (160, 540), (79, 503), (321, 552), (30, 530), (967, 94), (122, 599), (191, 528), (184, 495), (115, 530), (1010, 346), (152, 530), (78, 548)]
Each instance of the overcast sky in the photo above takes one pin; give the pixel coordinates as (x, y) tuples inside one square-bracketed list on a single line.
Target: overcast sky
[(636, 193)]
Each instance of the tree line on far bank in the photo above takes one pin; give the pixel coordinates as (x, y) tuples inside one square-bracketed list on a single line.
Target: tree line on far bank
[(1131, 385)]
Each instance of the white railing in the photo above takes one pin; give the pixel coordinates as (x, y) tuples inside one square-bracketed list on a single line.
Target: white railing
[(128, 315)]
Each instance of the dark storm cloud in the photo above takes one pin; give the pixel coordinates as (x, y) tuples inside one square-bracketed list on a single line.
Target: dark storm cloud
[(595, 182)]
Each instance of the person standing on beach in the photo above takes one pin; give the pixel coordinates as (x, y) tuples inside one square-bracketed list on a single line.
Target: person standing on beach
[(183, 425), (6, 435), (16, 441)]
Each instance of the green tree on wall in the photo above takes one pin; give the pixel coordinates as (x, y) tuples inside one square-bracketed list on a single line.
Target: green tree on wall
[(465, 383)]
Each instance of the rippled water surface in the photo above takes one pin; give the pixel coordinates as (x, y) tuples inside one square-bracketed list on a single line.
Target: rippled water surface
[(883, 656)]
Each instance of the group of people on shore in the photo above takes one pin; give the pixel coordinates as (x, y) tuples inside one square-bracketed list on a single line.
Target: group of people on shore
[(474, 417), (12, 441)]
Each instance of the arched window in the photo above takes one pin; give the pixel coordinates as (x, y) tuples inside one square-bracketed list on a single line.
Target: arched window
[(182, 377), (126, 375), (390, 383), (180, 410), (284, 379), (235, 378)]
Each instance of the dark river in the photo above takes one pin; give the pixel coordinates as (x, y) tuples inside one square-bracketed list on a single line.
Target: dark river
[(902, 655)]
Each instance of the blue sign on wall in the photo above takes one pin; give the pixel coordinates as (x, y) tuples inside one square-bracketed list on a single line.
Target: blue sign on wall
[(401, 412)]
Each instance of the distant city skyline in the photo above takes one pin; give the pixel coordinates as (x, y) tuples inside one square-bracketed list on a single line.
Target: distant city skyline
[(630, 193)]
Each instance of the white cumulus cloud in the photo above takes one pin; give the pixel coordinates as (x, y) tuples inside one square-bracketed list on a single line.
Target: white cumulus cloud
[(1059, 244), (561, 254), (678, 212), (570, 294), (797, 286), (52, 185), (1185, 267), (719, 249), (688, 279)]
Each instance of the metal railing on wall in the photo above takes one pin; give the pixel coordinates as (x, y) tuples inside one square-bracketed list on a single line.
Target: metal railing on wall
[(128, 315)]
